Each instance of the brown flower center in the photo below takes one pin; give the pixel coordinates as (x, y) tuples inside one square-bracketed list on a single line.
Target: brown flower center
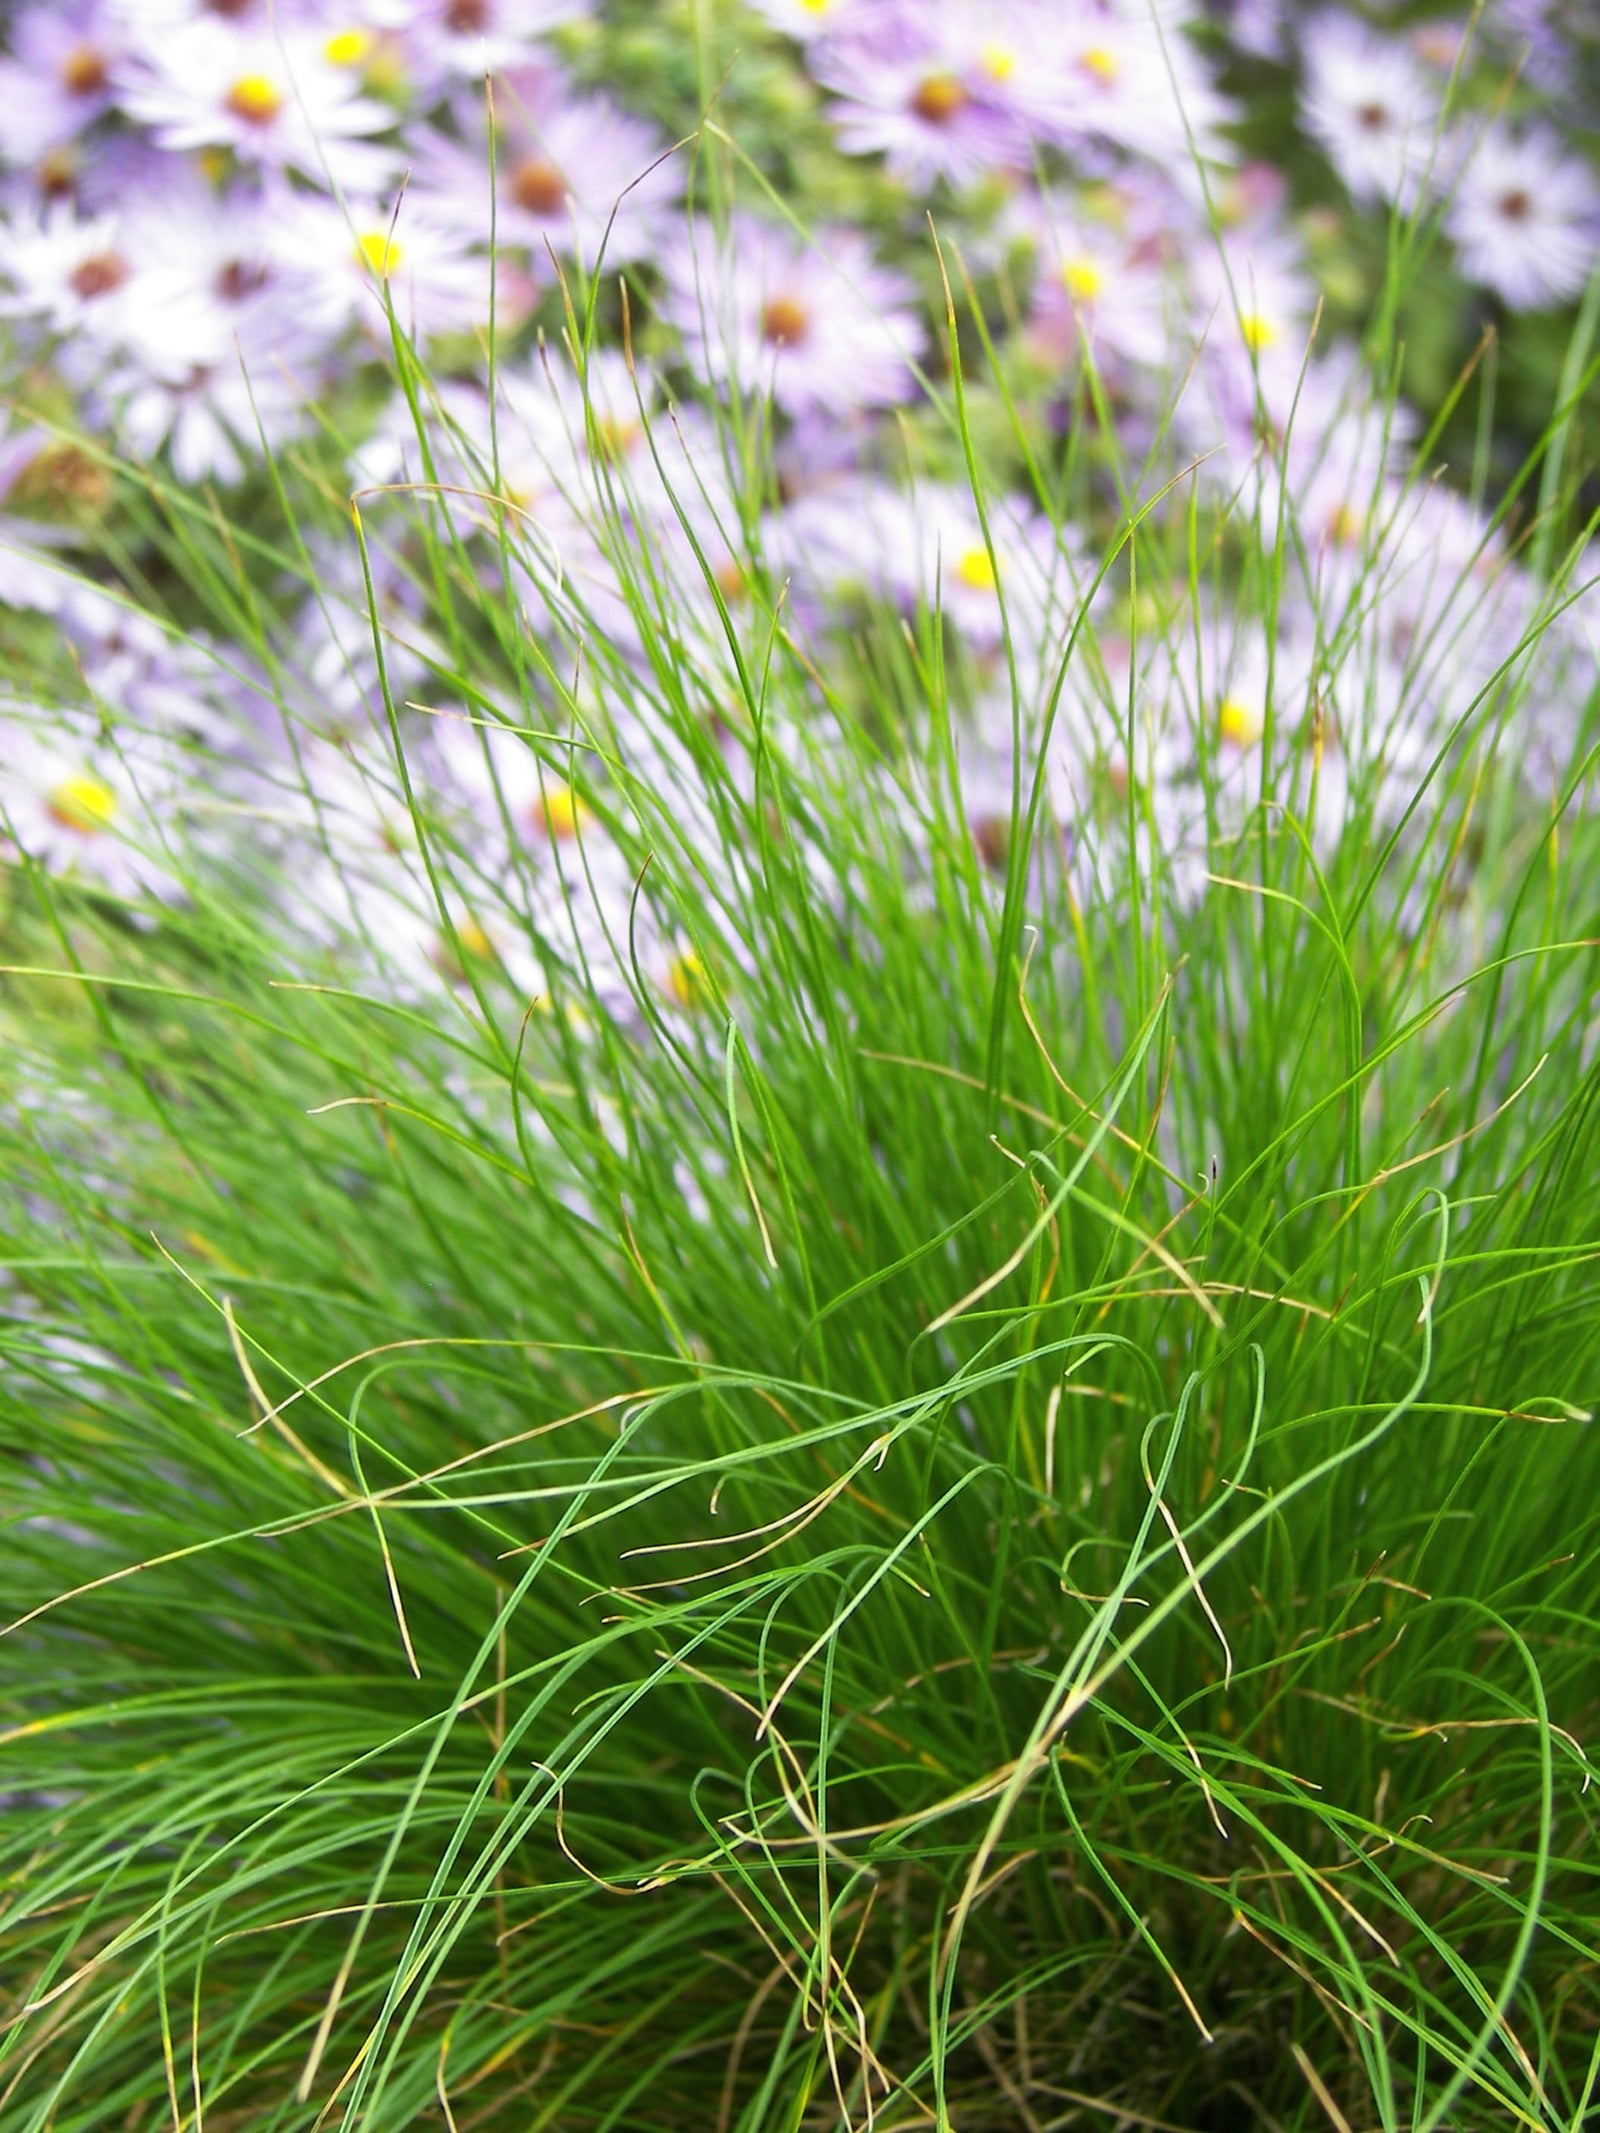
[(991, 838), (64, 482), (98, 275), (56, 173), (466, 18), (938, 99), (1373, 118), (240, 278), (1516, 205), (785, 321), (83, 71), (538, 187)]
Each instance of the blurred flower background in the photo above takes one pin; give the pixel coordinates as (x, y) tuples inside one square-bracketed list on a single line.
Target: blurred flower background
[(1266, 254)]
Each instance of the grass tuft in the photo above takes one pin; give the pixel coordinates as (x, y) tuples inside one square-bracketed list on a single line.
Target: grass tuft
[(797, 1462)]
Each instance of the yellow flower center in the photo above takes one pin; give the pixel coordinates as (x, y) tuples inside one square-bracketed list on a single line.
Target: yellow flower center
[(1103, 64), (999, 61), (1346, 525), (347, 48), (687, 981), (471, 946), (938, 98), (83, 803), (1082, 277), (560, 813), (976, 571), (255, 98), (1239, 723), (377, 251), (213, 163), (616, 435), (1259, 332)]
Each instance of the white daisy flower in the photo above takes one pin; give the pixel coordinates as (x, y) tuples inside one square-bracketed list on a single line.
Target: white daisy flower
[(218, 408), (80, 804), (572, 173), (1370, 108), (59, 77), (1093, 288), (161, 682), (804, 19), (472, 37), (277, 101), (352, 256), (223, 245), (1524, 215), (1091, 73), (100, 284), (823, 327), (1253, 306)]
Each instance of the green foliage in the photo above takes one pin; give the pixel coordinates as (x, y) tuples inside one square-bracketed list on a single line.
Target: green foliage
[(986, 1513)]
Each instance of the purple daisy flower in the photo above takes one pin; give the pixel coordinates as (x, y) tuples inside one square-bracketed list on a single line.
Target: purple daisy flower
[(566, 167), (823, 327), (1525, 215), (216, 410), (1096, 285), (805, 20), (59, 78), (927, 86), (1369, 107), (1085, 72), (81, 804), (272, 99), (475, 37)]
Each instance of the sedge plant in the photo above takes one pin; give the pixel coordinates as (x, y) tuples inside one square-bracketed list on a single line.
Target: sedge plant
[(936, 1478)]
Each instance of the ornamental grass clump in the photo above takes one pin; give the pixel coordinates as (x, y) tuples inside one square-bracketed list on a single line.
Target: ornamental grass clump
[(800, 1309), (909, 1480)]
